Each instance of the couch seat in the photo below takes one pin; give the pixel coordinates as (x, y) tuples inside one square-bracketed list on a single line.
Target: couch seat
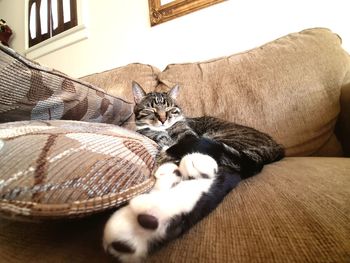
[(295, 210)]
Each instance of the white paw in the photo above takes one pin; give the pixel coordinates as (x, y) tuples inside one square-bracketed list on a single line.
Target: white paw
[(167, 175), (123, 239), (131, 230), (151, 218), (197, 165)]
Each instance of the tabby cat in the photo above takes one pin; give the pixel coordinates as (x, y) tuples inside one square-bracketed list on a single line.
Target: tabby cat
[(214, 152)]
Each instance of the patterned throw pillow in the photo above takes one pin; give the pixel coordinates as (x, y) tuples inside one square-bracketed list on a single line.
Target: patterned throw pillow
[(59, 169), (29, 91)]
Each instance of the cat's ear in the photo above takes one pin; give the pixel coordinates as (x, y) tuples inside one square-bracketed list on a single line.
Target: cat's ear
[(138, 92), (174, 92)]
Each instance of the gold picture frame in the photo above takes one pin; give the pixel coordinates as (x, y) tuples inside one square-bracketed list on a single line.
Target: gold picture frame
[(160, 13)]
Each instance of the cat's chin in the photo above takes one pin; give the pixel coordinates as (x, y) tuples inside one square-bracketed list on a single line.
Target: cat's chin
[(154, 128), (162, 127)]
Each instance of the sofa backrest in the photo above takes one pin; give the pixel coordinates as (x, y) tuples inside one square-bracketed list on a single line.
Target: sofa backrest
[(117, 82), (289, 88)]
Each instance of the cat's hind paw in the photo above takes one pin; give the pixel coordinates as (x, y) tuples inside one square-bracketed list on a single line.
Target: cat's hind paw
[(131, 230), (120, 237), (197, 165), (151, 219), (167, 176)]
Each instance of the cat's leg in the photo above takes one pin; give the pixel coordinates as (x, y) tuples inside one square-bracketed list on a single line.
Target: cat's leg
[(162, 158), (163, 139), (153, 218)]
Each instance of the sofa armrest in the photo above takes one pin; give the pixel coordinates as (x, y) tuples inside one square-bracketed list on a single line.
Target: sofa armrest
[(343, 125)]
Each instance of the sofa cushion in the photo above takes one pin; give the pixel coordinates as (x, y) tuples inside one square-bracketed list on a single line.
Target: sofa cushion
[(288, 88), (117, 82), (296, 210), (62, 169), (29, 91)]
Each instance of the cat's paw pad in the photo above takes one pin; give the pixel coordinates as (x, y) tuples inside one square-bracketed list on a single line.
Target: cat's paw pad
[(131, 230), (197, 165), (167, 175), (122, 238), (148, 221)]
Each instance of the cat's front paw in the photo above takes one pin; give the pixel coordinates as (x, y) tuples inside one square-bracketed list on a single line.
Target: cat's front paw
[(197, 165), (163, 140), (167, 175)]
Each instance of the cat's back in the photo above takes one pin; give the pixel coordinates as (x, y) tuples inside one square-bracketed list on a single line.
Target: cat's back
[(232, 134), (208, 124)]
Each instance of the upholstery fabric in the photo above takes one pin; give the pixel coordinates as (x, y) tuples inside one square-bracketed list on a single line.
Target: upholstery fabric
[(118, 81), (343, 125), (61, 169), (289, 88), (29, 91), (296, 210)]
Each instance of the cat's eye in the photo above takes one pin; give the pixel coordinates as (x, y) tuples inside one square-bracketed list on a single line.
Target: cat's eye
[(175, 111), (146, 112)]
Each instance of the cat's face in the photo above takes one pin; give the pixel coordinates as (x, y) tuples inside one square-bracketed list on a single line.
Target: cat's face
[(155, 110)]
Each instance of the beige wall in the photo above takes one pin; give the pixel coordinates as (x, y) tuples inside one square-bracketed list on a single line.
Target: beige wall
[(119, 31), (12, 11)]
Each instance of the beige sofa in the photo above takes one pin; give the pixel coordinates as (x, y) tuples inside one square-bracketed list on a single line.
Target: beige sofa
[(297, 89)]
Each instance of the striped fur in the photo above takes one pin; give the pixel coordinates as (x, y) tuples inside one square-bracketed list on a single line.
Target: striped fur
[(246, 149)]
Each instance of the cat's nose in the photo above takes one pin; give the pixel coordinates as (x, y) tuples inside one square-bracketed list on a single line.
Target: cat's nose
[(162, 117)]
